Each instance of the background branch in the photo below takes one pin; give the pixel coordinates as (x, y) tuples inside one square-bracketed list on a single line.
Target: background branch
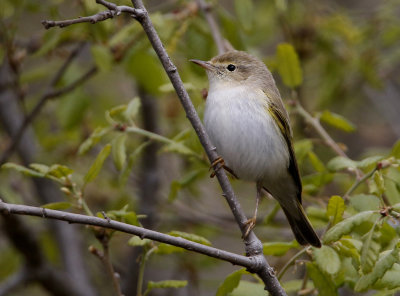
[(50, 93)]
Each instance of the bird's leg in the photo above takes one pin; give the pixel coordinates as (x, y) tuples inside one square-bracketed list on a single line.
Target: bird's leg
[(251, 223)]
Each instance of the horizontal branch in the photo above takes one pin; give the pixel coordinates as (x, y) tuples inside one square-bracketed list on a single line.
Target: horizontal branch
[(248, 262)]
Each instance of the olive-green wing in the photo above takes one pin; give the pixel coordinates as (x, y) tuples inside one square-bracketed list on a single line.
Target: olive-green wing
[(279, 113)]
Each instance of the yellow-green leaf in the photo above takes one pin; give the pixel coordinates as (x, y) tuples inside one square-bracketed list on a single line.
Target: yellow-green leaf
[(347, 225), (98, 164), (317, 164), (230, 282), (118, 151), (337, 121), (370, 249), (278, 248), (289, 65), (335, 209), (57, 205), (136, 241), (192, 237), (322, 281), (22, 169)]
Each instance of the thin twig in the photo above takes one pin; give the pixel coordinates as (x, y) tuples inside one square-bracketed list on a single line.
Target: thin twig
[(314, 122), (114, 10), (207, 10), (291, 261)]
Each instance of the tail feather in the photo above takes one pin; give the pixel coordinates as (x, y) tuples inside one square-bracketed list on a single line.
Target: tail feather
[(301, 226)]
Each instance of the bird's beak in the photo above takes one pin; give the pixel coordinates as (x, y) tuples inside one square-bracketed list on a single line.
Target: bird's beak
[(203, 64)]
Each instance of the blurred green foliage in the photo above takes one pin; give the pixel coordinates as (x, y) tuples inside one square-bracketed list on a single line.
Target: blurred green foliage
[(92, 140)]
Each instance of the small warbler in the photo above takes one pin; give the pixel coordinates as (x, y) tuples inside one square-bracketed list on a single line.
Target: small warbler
[(249, 125)]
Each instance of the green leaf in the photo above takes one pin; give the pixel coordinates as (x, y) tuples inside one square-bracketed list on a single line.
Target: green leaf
[(327, 259), (164, 285), (302, 148), (22, 169), (118, 151), (278, 248), (124, 216), (94, 138), (246, 288), (59, 171), (396, 149), (165, 249), (289, 65), (364, 202), (347, 225), (136, 241), (230, 282), (339, 163), (192, 237), (337, 121), (370, 249), (98, 164), (384, 264), (57, 205), (317, 164), (102, 57), (41, 168), (366, 162), (322, 282), (131, 161), (245, 11), (350, 248), (147, 70), (335, 209), (377, 184), (132, 109)]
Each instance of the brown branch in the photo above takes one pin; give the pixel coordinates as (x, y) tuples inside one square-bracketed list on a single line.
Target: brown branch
[(114, 10), (215, 32), (315, 123), (103, 237)]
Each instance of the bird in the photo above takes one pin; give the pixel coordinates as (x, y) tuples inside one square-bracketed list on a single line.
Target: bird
[(247, 122)]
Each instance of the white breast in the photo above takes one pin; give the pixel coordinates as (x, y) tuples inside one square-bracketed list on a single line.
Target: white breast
[(244, 133)]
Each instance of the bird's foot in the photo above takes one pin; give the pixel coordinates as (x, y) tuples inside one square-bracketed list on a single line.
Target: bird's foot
[(216, 165), (250, 224)]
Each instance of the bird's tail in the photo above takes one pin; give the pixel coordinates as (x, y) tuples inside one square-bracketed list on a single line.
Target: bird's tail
[(301, 226)]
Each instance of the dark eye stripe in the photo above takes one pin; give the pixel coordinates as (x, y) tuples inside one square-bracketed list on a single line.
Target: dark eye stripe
[(231, 67)]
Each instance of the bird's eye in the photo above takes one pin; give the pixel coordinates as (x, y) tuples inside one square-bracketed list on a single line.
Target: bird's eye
[(231, 67)]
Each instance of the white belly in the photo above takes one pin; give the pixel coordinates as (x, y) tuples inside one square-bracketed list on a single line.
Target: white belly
[(245, 135)]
